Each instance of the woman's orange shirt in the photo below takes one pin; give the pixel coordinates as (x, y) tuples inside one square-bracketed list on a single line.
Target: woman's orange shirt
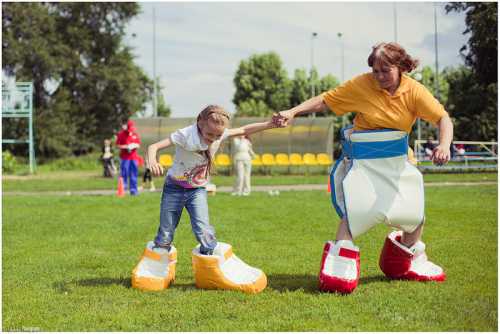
[(375, 108)]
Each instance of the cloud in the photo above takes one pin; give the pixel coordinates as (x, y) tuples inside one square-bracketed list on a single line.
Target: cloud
[(200, 45)]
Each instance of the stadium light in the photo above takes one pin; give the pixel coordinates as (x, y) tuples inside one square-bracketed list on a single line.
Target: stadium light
[(313, 36), (436, 82), (339, 34), (155, 102), (395, 14)]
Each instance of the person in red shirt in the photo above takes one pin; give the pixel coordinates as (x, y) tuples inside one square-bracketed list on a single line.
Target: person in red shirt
[(128, 142)]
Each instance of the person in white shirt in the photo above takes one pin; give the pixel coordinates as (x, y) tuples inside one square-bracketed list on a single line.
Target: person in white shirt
[(242, 160)]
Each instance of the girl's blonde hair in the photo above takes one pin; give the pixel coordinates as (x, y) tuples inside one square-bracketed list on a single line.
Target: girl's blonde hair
[(217, 115)]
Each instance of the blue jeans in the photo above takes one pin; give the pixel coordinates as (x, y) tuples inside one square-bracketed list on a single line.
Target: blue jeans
[(129, 169), (173, 200)]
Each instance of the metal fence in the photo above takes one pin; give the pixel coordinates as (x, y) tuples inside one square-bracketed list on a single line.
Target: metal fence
[(475, 155)]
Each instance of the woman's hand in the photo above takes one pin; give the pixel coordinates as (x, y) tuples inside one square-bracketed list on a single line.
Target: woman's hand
[(441, 155), (282, 118)]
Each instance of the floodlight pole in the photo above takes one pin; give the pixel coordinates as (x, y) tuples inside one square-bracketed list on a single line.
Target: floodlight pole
[(395, 22), (339, 34), (419, 78), (436, 81), (155, 93), (313, 88)]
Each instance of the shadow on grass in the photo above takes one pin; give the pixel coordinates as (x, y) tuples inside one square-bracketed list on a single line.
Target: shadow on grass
[(63, 286), (293, 282), (277, 282), (373, 279), (309, 283)]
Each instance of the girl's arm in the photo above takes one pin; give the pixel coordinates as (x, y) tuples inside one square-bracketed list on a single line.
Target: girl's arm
[(441, 153), (250, 128), (151, 161)]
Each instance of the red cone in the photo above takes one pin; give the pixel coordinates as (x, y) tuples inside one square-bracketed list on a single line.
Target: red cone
[(121, 191)]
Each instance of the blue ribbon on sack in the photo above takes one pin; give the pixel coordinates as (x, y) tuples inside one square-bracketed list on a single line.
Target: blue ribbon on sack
[(373, 150)]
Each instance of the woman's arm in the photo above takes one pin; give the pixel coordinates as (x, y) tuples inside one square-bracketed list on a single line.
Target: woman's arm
[(151, 161), (441, 153), (314, 104), (250, 128)]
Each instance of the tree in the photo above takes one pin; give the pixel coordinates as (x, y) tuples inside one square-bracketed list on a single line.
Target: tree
[(325, 84), (261, 82), (427, 77), (472, 106), (473, 92), (328, 82), (85, 80), (481, 51), (163, 109), (300, 88), (301, 84)]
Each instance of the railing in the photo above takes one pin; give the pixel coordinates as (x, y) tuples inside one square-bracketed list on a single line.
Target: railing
[(474, 155)]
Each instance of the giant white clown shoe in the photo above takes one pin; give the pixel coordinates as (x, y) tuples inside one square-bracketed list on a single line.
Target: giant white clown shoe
[(156, 269), (339, 267), (224, 270), (400, 262)]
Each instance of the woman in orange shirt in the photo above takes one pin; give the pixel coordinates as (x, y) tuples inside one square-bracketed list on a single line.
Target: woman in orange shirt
[(373, 182)]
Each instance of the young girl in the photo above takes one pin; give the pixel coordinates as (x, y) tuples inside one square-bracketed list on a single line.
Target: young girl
[(195, 147)]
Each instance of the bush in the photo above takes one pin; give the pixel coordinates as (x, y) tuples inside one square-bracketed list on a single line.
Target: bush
[(9, 162), (84, 162)]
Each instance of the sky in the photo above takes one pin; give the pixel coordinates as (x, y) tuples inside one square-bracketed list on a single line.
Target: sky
[(199, 45)]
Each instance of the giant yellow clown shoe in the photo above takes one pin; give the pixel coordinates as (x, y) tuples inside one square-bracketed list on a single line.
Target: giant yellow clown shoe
[(155, 270), (224, 270)]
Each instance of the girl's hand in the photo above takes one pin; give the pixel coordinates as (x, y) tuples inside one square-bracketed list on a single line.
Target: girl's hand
[(156, 169), (441, 155), (272, 123)]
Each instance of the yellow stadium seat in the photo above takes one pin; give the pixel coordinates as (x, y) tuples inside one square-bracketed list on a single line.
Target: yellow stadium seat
[(323, 159), (222, 160), (296, 159), (268, 159), (282, 159), (310, 159), (166, 160), (256, 161)]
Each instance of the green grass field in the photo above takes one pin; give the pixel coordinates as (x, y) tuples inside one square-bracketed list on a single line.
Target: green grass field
[(67, 263)]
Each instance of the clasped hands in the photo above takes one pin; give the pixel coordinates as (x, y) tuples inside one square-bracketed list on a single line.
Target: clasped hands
[(282, 119)]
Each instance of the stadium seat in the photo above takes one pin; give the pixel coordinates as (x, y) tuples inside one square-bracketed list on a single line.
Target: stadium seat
[(166, 160), (222, 160), (310, 159), (282, 159), (268, 159), (296, 159), (323, 159), (256, 161)]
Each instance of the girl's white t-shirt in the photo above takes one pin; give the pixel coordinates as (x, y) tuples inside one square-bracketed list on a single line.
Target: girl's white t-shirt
[(190, 167)]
